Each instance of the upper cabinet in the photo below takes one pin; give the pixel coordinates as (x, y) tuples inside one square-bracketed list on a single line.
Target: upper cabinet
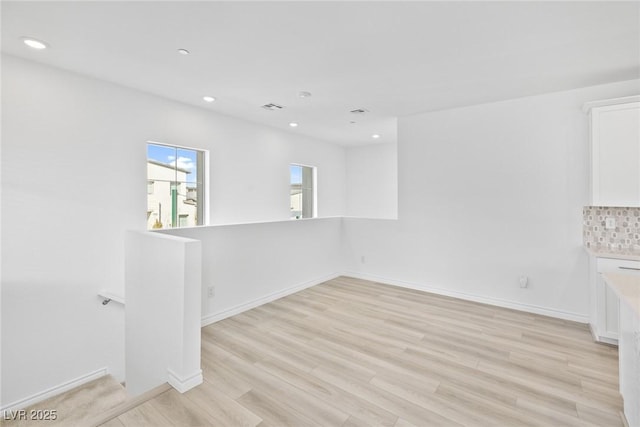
[(615, 151)]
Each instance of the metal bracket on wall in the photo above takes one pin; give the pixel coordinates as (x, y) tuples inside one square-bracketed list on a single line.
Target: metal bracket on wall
[(107, 297)]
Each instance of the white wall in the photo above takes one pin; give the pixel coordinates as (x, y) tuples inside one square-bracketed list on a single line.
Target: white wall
[(254, 263), (163, 286), (488, 193), (70, 146), (250, 167), (372, 181)]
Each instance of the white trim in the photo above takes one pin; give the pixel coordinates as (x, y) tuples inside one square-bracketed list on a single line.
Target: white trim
[(168, 231), (599, 338), (206, 178), (607, 102), (185, 384), (215, 317), (314, 177), (559, 314), (166, 144), (592, 329), (314, 188), (127, 405), (206, 190), (606, 340), (54, 391)]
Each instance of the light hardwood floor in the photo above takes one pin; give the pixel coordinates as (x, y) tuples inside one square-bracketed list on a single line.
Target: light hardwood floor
[(354, 353), (75, 408)]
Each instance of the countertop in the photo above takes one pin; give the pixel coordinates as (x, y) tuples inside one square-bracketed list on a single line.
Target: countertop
[(627, 287), (629, 255)]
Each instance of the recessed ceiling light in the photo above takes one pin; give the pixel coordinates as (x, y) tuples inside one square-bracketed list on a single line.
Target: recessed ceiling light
[(304, 94), (293, 124), (375, 136), (34, 43), (208, 98), (183, 52)]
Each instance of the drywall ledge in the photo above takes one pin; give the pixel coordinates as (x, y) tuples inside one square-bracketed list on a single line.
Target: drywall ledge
[(170, 231)]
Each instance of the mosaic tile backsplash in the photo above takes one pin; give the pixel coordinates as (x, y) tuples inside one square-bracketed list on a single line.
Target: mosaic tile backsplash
[(625, 236)]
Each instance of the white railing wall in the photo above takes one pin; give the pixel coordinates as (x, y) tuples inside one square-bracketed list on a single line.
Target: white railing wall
[(162, 312), (247, 265)]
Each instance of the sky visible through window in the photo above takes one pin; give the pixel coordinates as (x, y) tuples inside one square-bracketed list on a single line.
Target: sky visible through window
[(296, 174), (185, 159)]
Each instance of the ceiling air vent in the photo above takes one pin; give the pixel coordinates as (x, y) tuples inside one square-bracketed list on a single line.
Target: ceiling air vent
[(359, 111), (272, 107)]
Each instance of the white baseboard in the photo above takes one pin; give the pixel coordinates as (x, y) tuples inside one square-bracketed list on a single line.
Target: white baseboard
[(53, 391), (559, 314), (624, 419), (608, 341), (599, 338), (184, 384), (215, 317), (529, 308)]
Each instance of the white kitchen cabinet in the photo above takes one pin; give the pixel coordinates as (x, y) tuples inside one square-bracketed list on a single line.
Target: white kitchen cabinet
[(604, 301), (615, 151), (629, 359), (627, 288)]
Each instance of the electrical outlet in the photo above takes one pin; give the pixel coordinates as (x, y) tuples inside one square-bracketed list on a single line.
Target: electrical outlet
[(610, 223), (524, 281), (211, 291)]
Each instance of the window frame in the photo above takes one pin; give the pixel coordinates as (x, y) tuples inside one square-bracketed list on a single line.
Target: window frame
[(205, 179), (314, 189)]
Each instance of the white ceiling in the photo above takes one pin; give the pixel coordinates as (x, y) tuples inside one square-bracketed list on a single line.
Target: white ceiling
[(392, 58)]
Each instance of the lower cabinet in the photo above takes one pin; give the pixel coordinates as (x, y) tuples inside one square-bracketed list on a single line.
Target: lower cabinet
[(629, 359), (604, 302)]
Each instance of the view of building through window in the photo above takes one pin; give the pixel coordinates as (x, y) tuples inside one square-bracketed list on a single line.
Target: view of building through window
[(301, 191), (175, 186)]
